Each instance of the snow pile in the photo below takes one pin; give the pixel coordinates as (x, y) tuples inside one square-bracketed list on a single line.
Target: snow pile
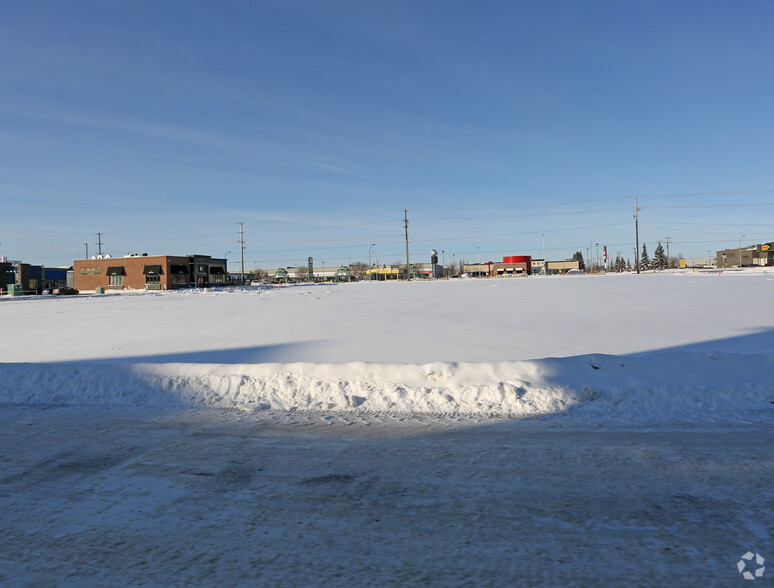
[(697, 386), (406, 349)]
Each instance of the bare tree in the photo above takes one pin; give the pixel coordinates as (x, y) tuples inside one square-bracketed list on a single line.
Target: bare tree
[(358, 270)]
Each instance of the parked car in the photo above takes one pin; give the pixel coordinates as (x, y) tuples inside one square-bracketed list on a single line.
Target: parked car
[(64, 291)]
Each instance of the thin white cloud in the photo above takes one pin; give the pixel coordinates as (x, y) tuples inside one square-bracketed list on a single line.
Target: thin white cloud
[(337, 169)]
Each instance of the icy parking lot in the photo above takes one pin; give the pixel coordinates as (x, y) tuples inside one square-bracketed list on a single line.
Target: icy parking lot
[(145, 497)]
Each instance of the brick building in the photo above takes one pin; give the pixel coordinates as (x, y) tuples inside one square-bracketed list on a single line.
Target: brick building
[(155, 272)]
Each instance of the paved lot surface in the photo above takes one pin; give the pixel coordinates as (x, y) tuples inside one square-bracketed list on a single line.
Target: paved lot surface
[(142, 497)]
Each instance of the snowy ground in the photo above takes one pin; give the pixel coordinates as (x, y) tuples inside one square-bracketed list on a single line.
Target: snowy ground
[(544, 431)]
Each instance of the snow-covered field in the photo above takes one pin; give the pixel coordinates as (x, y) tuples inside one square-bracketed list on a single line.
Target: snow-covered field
[(581, 430)]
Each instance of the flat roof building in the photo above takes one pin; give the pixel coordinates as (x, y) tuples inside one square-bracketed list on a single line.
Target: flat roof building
[(149, 272)]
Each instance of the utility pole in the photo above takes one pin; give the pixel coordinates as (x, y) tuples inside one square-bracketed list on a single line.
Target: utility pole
[(405, 226), (242, 250), (99, 244), (667, 239), (636, 235), (591, 255)]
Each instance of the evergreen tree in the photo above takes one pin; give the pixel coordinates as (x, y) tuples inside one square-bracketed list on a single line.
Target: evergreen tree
[(578, 256), (659, 258), (644, 259), (620, 264)]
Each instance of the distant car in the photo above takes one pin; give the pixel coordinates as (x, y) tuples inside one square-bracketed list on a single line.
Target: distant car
[(64, 291)]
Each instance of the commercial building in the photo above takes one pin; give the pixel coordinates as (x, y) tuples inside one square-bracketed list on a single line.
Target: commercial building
[(144, 272), (518, 265), (25, 278), (554, 267), (512, 265), (752, 255)]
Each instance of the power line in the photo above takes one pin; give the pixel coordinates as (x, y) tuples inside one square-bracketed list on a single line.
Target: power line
[(705, 194)]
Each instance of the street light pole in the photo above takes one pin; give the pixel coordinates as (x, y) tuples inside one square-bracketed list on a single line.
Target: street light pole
[(370, 269), (740, 249), (597, 258), (443, 260), (545, 261)]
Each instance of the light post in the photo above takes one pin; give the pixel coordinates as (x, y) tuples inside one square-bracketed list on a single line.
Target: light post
[(708, 258), (87, 250), (454, 263), (545, 261), (443, 261), (370, 269), (597, 258), (740, 249), (478, 269), (323, 272)]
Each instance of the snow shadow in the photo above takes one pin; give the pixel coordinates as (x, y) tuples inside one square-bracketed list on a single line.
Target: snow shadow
[(758, 341), (279, 353)]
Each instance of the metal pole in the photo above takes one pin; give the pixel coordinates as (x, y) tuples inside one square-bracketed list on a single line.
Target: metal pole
[(545, 261), (740, 249), (405, 224), (636, 235), (242, 250), (370, 269), (597, 258), (87, 250)]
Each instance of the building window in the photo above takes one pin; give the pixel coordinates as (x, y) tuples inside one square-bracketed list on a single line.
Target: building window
[(153, 279), (116, 281)]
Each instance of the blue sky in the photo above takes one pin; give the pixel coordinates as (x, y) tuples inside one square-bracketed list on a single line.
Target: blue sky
[(163, 125)]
